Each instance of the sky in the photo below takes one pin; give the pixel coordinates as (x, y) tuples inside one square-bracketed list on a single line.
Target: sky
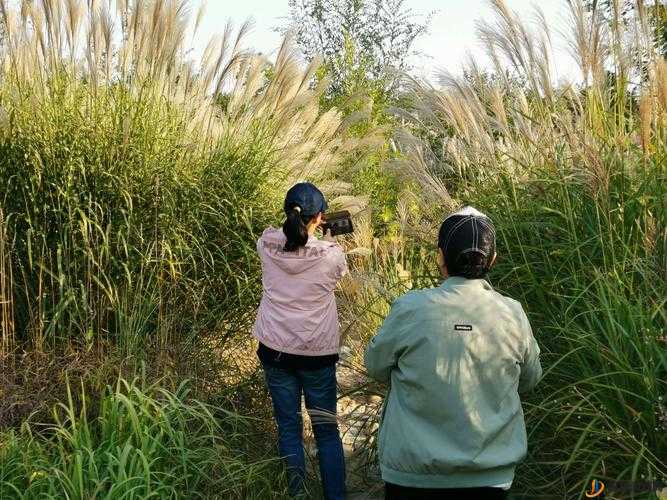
[(450, 39)]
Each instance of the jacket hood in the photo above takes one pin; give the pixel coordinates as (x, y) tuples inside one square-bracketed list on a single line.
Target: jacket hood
[(272, 242)]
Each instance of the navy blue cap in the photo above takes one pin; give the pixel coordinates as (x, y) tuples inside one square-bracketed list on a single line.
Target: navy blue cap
[(307, 197)]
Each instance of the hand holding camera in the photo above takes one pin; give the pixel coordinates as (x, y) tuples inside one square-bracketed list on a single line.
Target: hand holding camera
[(337, 223)]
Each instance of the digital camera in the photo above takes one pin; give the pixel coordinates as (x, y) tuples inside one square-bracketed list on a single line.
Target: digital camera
[(337, 223)]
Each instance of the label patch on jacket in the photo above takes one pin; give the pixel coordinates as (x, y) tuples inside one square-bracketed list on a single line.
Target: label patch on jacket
[(463, 328)]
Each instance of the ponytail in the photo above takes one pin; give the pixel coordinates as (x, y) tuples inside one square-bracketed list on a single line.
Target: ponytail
[(471, 265), (295, 230)]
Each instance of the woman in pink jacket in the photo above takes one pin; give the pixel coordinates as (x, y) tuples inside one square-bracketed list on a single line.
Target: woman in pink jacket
[(298, 333)]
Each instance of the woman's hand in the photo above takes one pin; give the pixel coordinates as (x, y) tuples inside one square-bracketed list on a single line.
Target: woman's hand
[(326, 236)]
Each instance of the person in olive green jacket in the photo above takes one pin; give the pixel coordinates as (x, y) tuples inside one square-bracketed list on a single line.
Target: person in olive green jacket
[(456, 358)]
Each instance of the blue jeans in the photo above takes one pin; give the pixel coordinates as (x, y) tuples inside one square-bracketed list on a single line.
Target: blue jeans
[(319, 389)]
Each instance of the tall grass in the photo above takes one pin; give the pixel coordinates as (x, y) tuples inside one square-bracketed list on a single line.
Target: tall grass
[(574, 177), (141, 442), (135, 180)]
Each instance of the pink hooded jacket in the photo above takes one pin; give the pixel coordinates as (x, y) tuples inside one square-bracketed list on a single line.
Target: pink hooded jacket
[(297, 314)]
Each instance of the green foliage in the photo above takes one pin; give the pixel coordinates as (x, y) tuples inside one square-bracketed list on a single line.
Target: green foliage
[(134, 184), (383, 189), (588, 266), (113, 221), (140, 442), (574, 180), (382, 32), (133, 191), (659, 13), (365, 47), (623, 12), (132, 194)]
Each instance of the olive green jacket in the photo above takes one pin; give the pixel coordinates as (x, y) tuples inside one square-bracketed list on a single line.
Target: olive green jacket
[(456, 358)]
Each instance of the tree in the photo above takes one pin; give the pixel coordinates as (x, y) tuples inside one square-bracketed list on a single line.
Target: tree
[(377, 34), (625, 10), (365, 46)]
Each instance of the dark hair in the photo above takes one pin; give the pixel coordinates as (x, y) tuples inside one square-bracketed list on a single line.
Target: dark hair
[(295, 229), (471, 265)]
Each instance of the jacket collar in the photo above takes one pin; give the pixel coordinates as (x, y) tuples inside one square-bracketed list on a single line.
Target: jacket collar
[(459, 281)]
